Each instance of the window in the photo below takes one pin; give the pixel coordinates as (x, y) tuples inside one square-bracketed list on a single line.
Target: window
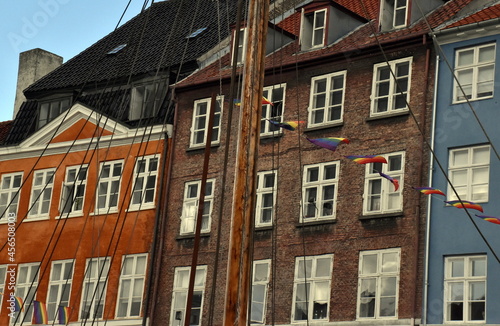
[(3, 274), (190, 207), (41, 193), (146, 100), (465, 288), (474, 70), (94, 288), (133, 274), (327, 99), (109, 185), (260, 281), (311, 290), (469, 172), (276, 95), (26, 285), (48, 111), (313, 29), (9, 194), (391, 85), (200, 122), (266, 185), (320, 191), (145, 173), (380, 194), (61, 276), (180, 292), (378, 283), (242, 46), (73, 190), (393, 14)]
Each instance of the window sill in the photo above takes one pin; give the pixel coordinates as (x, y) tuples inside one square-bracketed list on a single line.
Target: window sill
[(471, 100), (263, 228), (325, 126), (70, 215), (105, 211), (315, 223), (276, 135), (397, 113), (142, 207), (201, 147), (367, 216), (35, 219), (191, 236)]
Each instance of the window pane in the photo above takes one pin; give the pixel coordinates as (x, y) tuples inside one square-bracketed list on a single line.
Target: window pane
[(457, 268), (369, 264)]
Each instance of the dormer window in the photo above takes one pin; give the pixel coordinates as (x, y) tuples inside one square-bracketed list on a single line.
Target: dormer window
[(49, 110), (241, 47), (393, 14), (146, 100), (313, 30)]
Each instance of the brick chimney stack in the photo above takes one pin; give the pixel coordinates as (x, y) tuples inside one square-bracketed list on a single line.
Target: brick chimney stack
[(33, 65)]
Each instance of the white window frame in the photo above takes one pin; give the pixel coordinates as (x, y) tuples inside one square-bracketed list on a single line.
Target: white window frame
[(10, 189), (61, 284), (26, 286), (264, 191), (272, 112), (328, 108), (50, 110), (95, 275), (242, 45), (145, 182), (466, 281), (309, 27), (190, 207), (474, 69), (379, 278), (135, 274), (146, 99), (387, 194), (73, 191), (389, 14), (312, 282), (395, 88), (318, 187), (321, 29), (3, 277), (180, 291), (41, 194), (468, 189), (260, 283), (109, 204), (200, 122)]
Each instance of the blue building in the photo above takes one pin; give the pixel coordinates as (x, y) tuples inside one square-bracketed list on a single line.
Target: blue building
[(462, 280)]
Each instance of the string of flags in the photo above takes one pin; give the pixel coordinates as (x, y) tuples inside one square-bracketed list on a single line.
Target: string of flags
[(331, 143)]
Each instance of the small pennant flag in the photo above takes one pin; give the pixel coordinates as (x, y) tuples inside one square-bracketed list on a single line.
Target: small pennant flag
[(465, 204), (330, 143), (40, 313), (395, 182), (266, 101), (18, 304), (364, 159), (63, 315), (288, 125), (429, 191), (490, 219)]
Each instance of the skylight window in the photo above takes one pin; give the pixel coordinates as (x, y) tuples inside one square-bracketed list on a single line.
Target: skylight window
[(117, 49), (196, 33)]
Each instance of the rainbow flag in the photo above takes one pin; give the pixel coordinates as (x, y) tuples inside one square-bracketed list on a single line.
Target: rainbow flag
[(266, 101), (465, 204), (491, 219), (395, 182), (429, 191), (40, 313), (288, 125), (63, 315), (364, 159), (330, 143), (18, 304)]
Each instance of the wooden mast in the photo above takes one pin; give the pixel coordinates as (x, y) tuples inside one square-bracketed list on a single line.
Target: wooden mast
[(240, 246)]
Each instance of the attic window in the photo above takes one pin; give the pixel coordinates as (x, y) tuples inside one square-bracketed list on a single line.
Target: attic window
[(48, 111), (242, 41), (393, 14), (117, 49), (196, 33), (313, 30), (146, 100)]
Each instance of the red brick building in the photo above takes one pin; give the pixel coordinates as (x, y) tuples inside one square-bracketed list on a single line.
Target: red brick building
[(334, 241)]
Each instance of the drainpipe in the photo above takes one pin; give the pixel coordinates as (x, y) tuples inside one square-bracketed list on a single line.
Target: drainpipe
[(429, 199)]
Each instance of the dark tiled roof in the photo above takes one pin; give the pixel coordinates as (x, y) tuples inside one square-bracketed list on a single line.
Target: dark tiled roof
[(155, 38), (492, 12), (359, 41), (5, 127)]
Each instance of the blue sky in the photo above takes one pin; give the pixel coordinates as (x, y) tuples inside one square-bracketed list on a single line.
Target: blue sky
[(63, 27)]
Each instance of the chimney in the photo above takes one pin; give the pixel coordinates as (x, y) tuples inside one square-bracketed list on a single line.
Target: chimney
[(33, 65)]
